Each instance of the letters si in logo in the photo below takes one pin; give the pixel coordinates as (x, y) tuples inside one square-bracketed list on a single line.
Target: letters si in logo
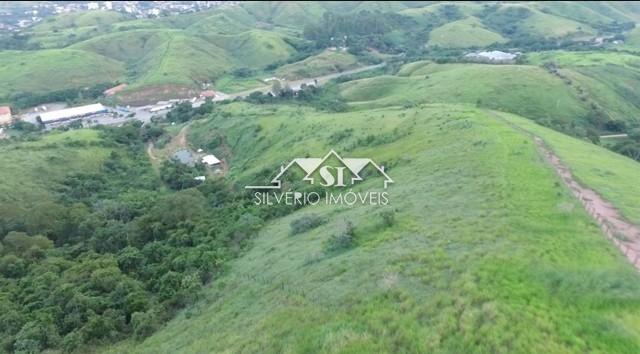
[(330, 176)]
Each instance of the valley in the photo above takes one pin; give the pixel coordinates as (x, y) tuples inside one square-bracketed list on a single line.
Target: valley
[(504, 137)]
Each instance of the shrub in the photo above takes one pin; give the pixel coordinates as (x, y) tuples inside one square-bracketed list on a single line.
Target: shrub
[(144, 323), (305, 223), (388, 217), (342, 240)]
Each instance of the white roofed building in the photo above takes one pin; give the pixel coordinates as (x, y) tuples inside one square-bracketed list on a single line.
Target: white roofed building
[(71, 113), (210, 160), (492, 56)]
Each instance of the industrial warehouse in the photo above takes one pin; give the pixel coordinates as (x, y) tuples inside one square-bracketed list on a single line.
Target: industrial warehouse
[(71, 113)]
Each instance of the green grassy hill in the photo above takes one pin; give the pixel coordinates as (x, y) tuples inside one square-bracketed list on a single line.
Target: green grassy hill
[(60, 31), (324, 63), (259, 34), (127, 46), (466, 267), (526, 90), (525, 19), (255, 48), (465, 33), (604, 171), (33, 171), (80, 19), (182, 60), (32, 71), (607, 78)]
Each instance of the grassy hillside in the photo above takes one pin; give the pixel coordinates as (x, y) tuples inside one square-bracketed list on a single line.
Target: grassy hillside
[(324, 63), (182, 60), (526, 20), (60, 31), (606, 172), (526, 90), (258, 34), (32, 71), (127, 46), (283, 13), (609, 79), (466, 267), (465, 33), (33, 170), (255, 49), (80, 19)]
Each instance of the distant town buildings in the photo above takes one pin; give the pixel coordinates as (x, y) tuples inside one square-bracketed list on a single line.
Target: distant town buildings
[(5, 115), (17, 18)]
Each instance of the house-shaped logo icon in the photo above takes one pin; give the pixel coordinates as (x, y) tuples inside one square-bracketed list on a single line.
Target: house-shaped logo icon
[(317, 170)]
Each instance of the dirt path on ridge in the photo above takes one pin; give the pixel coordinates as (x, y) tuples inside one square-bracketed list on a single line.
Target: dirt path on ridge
[(624, 234)]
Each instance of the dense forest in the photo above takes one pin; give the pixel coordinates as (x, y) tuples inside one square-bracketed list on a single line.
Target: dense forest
[(119, 252)]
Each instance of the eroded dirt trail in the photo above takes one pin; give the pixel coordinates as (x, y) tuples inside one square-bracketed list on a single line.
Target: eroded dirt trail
[(625, 235)]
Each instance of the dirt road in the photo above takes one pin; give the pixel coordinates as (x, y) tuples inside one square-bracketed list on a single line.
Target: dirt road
[(177, 142), (296, 84), (624, 234)]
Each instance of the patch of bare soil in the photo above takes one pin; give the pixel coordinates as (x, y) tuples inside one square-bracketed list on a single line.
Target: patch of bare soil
[(624, 234), (152, 94)]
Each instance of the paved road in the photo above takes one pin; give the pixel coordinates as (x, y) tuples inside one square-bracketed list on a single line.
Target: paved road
[(143, 114), (296, 84)]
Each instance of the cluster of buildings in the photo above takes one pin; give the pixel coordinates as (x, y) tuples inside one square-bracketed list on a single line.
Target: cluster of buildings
[(25, 14)]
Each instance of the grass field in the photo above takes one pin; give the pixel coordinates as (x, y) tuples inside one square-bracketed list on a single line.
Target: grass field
[(546, 25), (611, 175), (32, 171), (152, 55), (465, 33), (526, 90), (31, 71), (466, 267), (607, 78), (254, 49), (324, 63)]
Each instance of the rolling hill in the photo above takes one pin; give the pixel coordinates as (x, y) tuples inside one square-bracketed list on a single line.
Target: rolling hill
[(466, 265), (526, 90), (324, 63), (465, 33), (261, 34), (31, 71), (34, 170), (584, 85), (483, 246)]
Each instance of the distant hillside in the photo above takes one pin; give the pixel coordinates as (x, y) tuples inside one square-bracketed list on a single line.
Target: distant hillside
[(581, 92), (526, 90), (260, 35), (324, 63), (465, 33), (29, 71)]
